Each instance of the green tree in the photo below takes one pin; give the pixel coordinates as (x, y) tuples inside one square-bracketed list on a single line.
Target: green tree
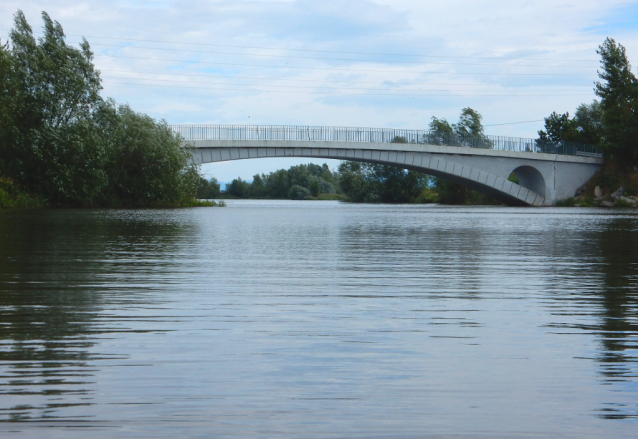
[(366, 182), (278, 184), (469, 129), (440, 132), (298, 193), (584, 127), (238, 188), (146, 165), (589, 118), (355, 181), (208, 189), (618, 90), (55, 149), (7, 104), (257, 187)]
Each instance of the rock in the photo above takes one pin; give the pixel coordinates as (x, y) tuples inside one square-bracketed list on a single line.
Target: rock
[(619, 193), (580, 191), (607, 204), (597, 192), (628, 200)]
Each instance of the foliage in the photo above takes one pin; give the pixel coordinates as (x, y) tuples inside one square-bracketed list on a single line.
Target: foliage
[(366, 182), (314, 179), (618, 90), (566, 202), (298, 193), (12, 196), (468, 131), (584, 127), (238, 188), (60, 140), (208, 189), (146, 165)]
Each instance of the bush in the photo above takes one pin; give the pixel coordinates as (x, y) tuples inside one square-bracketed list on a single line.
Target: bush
[(566, 202), (298, 193)]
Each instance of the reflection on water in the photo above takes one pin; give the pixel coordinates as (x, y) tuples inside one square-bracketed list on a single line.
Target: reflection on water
[(283, 318)]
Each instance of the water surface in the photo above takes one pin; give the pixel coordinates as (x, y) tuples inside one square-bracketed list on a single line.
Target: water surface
[(319, 319)]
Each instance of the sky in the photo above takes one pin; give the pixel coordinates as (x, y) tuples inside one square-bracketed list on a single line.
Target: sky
[(358, 63)]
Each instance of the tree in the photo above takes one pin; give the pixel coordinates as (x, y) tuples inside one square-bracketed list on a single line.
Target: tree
[(298, 193), (584, 127), (146, 165), (467, 131), (238, 188), (55, 149), (440, 132), (257, 187), (7, 104), (589, 120), (208, 189), (366, 182), (618, 90)]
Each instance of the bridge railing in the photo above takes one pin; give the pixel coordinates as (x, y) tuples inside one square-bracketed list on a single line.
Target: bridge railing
[(378, 135)]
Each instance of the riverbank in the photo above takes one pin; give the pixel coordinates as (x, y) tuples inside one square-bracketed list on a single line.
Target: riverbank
[(614, 185)]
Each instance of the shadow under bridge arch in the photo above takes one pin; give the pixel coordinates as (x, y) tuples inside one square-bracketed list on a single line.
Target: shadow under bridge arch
[(531, 178)]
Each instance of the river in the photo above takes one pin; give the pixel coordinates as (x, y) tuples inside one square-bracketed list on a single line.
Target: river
[(273, 319)]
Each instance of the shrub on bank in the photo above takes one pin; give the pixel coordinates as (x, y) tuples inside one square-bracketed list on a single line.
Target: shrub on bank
[(12, 196)]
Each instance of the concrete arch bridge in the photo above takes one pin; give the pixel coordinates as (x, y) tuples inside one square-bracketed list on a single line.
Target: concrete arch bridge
[(546, 173)]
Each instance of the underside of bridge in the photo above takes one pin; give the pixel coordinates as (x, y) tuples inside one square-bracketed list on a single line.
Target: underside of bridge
[(542, 180)]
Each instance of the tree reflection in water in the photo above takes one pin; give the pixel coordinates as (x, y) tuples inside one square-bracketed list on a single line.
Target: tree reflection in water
[(51, 302), (618, 328)]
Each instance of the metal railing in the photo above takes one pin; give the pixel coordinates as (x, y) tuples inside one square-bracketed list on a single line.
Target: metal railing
[(378, 135)]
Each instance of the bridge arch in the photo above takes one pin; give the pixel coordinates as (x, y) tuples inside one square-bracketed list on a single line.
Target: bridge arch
[(531, 178), (438, 165)]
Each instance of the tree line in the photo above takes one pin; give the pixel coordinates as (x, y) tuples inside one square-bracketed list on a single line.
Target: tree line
[(64, 144)]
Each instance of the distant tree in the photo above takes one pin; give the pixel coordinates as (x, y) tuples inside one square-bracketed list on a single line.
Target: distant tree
[(366, 182), (589, 118), (257, 187), (238, 188), (298, 193), (356, 182), (440, 132), (584, 127), (469, 129), (208, 189), (618, 90), (315, 187), (278, 184)]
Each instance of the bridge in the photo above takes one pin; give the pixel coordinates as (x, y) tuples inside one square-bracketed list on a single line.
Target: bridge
[(546, 172)]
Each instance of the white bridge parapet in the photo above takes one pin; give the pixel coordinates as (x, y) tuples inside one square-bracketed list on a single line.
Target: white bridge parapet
[(544, 178)]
